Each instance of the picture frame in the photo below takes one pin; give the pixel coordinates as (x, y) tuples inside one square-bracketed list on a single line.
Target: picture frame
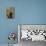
[(10, 12)]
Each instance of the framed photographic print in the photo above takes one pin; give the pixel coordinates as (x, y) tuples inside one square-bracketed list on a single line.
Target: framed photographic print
[(10, 13)]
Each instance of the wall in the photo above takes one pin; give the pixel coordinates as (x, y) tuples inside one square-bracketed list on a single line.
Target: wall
[(6, 25), (31, 11), (27, 12)]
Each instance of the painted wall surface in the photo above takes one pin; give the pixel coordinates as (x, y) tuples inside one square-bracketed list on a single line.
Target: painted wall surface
[(27, 12), (31, 11), (6, 25)]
